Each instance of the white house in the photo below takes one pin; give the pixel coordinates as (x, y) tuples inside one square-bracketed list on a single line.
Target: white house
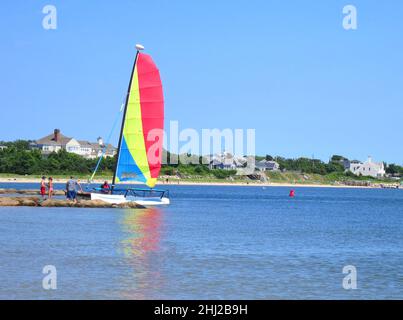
[(57, 141), (368, 168)]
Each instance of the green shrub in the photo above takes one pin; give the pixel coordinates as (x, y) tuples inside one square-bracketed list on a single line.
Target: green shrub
[(223, 174)]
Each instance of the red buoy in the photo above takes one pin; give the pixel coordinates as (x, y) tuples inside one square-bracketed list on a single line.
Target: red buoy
[(292, 193)]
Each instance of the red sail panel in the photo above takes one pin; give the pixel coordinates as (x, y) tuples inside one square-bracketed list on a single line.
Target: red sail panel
[(152, 110)]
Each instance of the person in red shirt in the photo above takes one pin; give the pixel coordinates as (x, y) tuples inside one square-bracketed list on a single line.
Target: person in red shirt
[(43, 187), (105, 187)]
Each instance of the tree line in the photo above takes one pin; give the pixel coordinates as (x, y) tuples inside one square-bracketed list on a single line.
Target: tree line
[(335, 164), (18, 158)]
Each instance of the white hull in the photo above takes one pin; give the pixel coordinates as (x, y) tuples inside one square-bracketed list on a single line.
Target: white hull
[(118, 199)]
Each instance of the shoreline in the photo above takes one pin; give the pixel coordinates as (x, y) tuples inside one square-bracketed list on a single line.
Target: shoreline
[(193, 183)]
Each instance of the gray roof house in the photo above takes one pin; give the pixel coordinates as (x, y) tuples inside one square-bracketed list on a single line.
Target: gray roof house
[(266, 165), (57, 141), (226, 161)]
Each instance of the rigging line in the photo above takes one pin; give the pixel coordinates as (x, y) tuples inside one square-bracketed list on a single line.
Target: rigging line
[(107, 142)]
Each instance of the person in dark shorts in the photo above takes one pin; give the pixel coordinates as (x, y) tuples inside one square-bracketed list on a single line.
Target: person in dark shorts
[(71, 189)]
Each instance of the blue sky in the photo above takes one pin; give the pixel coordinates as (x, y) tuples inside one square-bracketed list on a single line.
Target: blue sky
[(286, 68)]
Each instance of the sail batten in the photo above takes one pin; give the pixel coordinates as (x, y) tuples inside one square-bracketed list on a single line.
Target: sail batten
[(140, 150)]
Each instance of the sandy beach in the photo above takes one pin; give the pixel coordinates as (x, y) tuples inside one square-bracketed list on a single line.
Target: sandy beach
[(190, 183)]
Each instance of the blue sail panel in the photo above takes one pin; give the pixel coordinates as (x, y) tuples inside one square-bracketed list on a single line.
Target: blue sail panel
[(127, 169)]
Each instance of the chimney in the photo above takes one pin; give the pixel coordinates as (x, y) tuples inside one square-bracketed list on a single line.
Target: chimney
[(56, 136)]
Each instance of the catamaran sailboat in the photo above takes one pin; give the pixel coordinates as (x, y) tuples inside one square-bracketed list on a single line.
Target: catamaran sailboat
[(141, 138)]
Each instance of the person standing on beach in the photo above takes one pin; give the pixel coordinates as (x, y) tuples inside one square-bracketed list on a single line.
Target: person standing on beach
[(71, 189), (50, 187), (43, 187)]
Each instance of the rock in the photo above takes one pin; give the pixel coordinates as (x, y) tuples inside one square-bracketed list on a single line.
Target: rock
[(8, 191), (8, 202), (59, 192), (93, 204), (56, 203), (129, 205), (28, 202), (49, 203), (30, 192)]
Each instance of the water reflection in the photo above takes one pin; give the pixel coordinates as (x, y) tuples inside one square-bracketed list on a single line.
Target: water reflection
[(140, 248)]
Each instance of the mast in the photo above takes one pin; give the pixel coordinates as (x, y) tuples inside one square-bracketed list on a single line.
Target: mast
[(138, 47)]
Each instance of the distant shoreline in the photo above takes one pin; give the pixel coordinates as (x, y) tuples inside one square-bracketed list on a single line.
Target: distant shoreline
[(192, 183)]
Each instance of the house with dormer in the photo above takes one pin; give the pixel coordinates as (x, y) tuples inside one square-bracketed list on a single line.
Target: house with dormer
[(57, 141)]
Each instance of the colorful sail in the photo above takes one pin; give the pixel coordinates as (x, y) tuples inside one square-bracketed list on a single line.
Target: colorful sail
[(140, 150)]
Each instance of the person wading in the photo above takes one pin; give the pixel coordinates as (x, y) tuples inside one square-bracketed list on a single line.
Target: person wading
[(43, 187), (50, 187)]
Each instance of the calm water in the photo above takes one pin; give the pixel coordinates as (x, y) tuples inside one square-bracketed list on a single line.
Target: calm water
[(210, 243)]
